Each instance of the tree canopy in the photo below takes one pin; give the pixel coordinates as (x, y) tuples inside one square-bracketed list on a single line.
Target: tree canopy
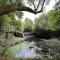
[(50, 20)]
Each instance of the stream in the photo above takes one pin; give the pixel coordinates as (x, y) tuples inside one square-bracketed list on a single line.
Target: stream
[(25, 49)]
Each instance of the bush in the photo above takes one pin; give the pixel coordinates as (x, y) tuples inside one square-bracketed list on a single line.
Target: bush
[(43, 33)]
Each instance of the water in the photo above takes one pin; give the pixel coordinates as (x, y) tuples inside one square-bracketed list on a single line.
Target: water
[(27, 52), (31, 48), (24, 50)]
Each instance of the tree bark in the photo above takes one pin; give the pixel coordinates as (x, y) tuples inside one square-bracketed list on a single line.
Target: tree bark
[(13, 7)]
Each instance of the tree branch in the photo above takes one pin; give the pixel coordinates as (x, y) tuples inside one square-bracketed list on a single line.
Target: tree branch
[(33, 5), (19, 7), (41, 7), (13, 7), (38, 5), (25, 8)]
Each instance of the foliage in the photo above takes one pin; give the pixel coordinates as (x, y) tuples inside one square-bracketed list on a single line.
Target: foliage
[(41, 21), (4, 2), (54, 17), (50, 20), (10, 20), (53, 42), (28, 24)]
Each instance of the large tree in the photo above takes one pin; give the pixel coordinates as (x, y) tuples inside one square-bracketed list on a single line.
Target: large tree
[(7, 6)]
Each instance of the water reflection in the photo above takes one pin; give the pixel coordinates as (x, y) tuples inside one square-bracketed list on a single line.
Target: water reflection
[(26, 54), (29, 49)]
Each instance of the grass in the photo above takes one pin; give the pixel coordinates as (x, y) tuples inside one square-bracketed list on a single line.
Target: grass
[(53, 42)]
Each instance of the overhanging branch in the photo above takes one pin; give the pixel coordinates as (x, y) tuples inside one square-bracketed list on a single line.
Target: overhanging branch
[(13, 7)]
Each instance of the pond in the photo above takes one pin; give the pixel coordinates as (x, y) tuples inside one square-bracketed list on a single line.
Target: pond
[(25, 49)]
